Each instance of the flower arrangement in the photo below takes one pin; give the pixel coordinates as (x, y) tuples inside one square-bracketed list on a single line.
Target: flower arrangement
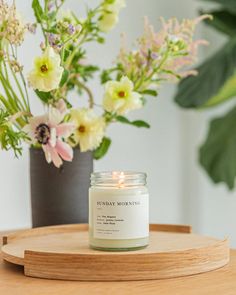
[(63, 67)]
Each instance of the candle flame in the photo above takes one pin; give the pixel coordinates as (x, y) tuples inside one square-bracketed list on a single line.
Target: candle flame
[(120, 176), (121, 181)]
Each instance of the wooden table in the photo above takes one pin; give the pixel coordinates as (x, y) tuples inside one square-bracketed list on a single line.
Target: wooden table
[(219, 282)]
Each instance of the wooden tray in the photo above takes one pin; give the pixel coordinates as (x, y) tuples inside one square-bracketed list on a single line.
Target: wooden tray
[(62, 252)]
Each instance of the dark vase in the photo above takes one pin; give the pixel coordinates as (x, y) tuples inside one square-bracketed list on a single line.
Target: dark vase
[(59, 196)]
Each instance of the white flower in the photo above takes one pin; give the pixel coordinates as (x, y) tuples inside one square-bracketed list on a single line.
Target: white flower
[(174, 38), (120, 98), (108, 21), (90, 128), (47, 72)]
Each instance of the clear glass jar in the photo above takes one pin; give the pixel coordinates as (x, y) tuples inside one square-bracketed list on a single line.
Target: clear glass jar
[(118, 211)]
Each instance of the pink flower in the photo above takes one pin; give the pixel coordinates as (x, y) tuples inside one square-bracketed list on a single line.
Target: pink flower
[(49, 131), (182, 33), (168, 52)]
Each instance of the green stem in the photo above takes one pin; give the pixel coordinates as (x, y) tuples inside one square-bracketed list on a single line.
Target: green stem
[(156, 70), (6, 104), (147, 80), (26, 101), (19, 87), (90, 95), (13, 98), (72, 55), (74, 51), (26, 91), (5, 69), (12, 102), (85, 33), (12, 111), (59, 6)]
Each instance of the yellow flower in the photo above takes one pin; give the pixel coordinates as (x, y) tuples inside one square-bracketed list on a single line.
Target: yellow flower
[(47, 71), (110, 16), (90, 128), (120, 98), (108, 21)]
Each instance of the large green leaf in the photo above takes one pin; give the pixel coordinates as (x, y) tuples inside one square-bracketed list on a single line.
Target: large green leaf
[(218, 153), (223, 21), (195, 91), (226, 92), (228, 4)]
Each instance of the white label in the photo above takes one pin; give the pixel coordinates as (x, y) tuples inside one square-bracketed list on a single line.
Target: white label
[(120, 217)]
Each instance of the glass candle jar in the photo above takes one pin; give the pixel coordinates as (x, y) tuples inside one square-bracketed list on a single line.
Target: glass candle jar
[(118, 211)]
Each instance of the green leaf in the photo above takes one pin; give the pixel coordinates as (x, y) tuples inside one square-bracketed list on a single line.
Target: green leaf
[(218, 153), (195, 91), (64, 77), (228, 4), (223, 21), (44, 96), (150, 92), (86, 71), (100, 40), (102, 149), (38, 11), (105, 76), (137, 123), (10, 137), (66, 54), (226, 92)]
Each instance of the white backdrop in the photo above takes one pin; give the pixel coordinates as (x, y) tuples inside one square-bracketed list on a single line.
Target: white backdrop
[(180, 191)]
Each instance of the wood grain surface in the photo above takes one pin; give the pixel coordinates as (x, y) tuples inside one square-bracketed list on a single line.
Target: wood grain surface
[(218, 282), (62, 252)]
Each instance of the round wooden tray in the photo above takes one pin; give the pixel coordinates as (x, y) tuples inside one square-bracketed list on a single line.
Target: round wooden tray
[(62, 252)]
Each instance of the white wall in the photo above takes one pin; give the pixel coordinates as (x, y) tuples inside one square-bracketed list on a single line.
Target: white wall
[(179, 190)]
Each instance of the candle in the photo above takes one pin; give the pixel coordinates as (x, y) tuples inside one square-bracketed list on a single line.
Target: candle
[(118, 211)]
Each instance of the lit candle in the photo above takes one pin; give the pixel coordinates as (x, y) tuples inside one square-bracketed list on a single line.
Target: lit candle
[(118, 211)]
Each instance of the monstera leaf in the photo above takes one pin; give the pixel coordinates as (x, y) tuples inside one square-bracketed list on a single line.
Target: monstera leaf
[(213, 75), (218, 153), (223, 21), (226, 92)]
